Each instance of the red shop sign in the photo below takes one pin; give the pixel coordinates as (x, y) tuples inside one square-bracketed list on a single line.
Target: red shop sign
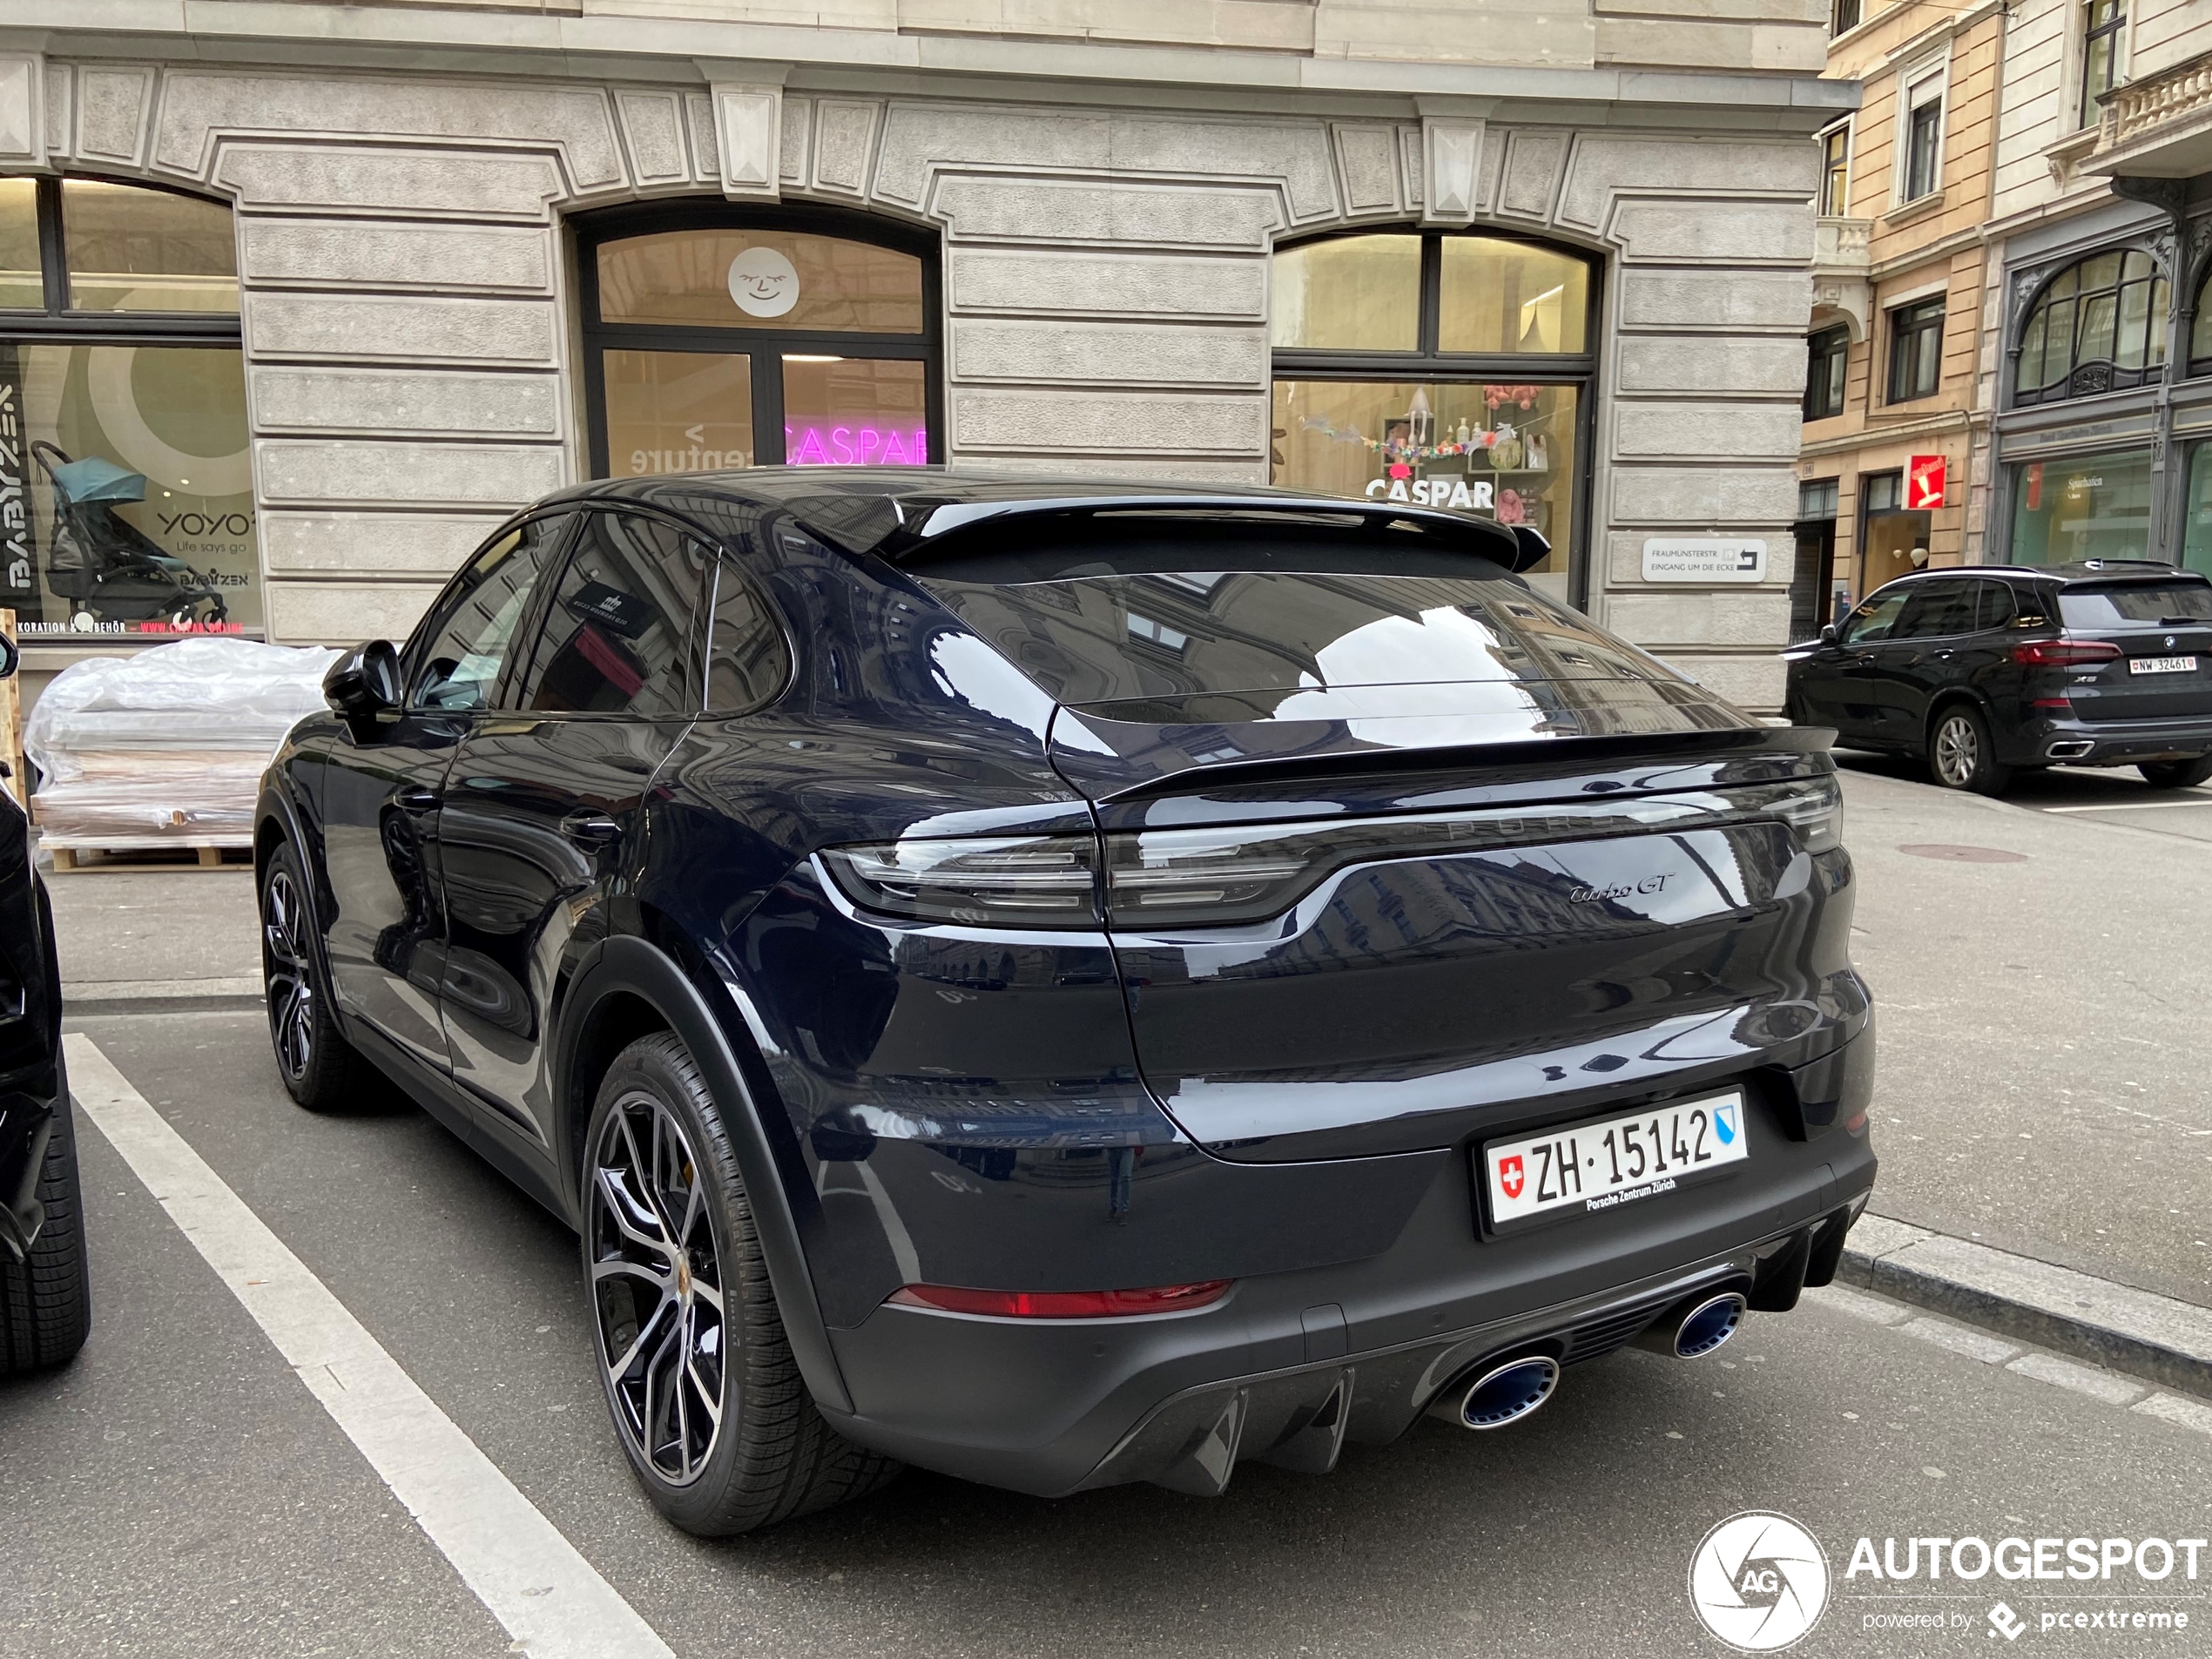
[(1923, 482)]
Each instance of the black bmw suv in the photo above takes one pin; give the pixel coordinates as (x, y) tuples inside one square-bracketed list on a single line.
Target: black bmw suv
[(45, 1292), (1984, 671), (1069, 983)]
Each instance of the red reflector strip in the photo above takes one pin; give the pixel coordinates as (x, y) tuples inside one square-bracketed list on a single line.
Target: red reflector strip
[(1063, 1304)]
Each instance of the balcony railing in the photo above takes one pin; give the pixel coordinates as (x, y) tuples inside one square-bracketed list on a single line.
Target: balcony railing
[(2160, 126), (1839, 246)]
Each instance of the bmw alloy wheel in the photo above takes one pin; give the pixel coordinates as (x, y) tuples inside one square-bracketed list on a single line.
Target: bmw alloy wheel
[(284, 968), (1958, 751), (656, 1289)]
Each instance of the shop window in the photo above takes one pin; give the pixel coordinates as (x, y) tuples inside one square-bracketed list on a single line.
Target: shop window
[(2104, 23), (1916, 350), (1454, 371), (2200, 331), (1835, 171), (1828, 355), (2090, 507), (1922, 157), (2100, 326), (1893, 539), (719, 337), (126, 496), (2196, 511)]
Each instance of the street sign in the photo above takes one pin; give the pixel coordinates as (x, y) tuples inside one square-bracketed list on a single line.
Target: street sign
[(1923, 482), (1703, 558)]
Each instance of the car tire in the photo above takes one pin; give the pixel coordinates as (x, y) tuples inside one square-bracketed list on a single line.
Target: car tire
[(322, 1070), (1960, 755), (682, 1309), (2176, 774), (46, 1300)]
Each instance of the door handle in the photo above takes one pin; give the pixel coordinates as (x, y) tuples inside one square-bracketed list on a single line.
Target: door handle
[(591, 829), (417, 799), (1943, 656)]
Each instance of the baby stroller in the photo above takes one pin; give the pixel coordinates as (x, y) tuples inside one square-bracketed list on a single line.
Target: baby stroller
[(106, 567)]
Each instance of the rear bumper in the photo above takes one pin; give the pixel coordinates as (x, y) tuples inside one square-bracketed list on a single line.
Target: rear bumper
[(1290, 1366), (2117, 743)]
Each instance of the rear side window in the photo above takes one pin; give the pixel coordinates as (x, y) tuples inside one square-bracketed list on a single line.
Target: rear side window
[(2138, 604), (1995, 608), (620, 631), (747, 660)]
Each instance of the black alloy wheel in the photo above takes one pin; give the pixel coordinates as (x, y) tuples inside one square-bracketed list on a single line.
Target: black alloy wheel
[(321, 1070), (1960, 755), (707, 1398), (2176, 774)]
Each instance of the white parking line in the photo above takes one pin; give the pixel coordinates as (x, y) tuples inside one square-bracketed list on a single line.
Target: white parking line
[(551, 1600), (2130, 806)]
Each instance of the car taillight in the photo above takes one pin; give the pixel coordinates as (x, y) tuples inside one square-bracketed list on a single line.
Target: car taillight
[(2064, 653), (1064, 1304), (1009, 882)]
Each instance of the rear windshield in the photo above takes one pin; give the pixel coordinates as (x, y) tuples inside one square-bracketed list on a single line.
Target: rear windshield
[(2139, 605), (1107, 637)]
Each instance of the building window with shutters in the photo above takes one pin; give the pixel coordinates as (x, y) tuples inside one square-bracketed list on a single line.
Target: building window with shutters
[(1920, 150), (2104, 27)]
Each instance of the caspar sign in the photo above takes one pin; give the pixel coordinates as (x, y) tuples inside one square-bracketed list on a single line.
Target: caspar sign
[(1703, 558)]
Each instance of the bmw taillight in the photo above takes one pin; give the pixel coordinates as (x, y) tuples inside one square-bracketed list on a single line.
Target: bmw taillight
[(1064, 1304), (2064, 653)]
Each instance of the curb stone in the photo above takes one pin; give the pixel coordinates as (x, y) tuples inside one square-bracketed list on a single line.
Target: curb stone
[(2114, 1325)]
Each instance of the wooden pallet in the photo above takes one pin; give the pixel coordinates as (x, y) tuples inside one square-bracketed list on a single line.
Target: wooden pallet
[(88, 858)]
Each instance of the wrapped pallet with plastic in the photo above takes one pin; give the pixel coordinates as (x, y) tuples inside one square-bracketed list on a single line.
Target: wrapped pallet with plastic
[(165, 748)]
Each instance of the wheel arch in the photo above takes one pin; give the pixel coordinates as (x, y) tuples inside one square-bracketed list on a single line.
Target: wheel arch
[(629, 987), (1950, 698)]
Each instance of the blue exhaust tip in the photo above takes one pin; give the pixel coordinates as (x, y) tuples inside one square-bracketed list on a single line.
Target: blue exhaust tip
[(1509, 1392), (1709, 1325)]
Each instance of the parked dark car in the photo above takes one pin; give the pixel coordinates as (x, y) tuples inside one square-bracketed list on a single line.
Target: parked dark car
[(1984, 671), (1066, 983), (45, 1291)]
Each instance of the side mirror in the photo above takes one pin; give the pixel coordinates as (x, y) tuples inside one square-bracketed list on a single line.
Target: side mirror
[(1828, 635), (8, 657), (364, 684), (1533, 546)]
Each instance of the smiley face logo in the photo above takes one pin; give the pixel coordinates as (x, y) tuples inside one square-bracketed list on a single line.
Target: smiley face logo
[(763, 282)]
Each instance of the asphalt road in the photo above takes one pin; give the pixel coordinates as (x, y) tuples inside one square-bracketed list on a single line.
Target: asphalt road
[(178, 1490), (2045, 1080)]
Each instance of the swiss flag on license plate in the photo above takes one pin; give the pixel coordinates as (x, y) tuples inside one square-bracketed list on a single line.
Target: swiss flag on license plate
[(1509, 1176)]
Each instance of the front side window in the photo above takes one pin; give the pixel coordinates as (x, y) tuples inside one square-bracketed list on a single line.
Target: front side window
[(123, 413), (2103, 24), (1922, 138), (1916, 350), (2099, 325), (1827, 357), (1452, 371), (454, 661), (1835, 172), (620, 630), (1875, 619), (765, 339)]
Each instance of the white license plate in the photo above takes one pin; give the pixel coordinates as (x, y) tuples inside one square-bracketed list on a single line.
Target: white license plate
[(1614, 1161), (2161, 664)]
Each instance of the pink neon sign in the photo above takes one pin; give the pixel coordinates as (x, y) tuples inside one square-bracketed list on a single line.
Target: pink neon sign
[(846, 446)]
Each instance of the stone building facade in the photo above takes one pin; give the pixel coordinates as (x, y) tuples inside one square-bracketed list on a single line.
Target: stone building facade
[(1100, 200)]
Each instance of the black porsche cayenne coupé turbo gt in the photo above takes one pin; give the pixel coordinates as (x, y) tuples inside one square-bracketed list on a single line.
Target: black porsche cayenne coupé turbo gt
[(1066, 983)]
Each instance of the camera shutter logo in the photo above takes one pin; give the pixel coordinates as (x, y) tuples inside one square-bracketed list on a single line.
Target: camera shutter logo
[(1759, 1582)]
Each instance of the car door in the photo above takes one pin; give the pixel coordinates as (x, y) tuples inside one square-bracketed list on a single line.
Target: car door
[(380, 790), (1912, 665), (1838, 687), (544, 800)]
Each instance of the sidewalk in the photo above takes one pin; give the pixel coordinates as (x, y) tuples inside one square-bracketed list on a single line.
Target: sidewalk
[(131, 939)]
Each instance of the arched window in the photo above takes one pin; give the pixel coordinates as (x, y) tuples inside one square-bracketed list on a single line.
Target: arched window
[(724, 338), (122, 408), (1450, 369), (2099, 326)]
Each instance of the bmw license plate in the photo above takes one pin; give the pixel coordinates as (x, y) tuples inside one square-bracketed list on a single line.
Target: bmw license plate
[(1592, 1167), (2161, 664)]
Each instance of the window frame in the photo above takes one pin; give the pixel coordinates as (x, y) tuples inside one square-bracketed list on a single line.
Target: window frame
[(1425, 362), (1904, 337), (764, 349), (1844, 15), (2117, 378), (1912, 84), (2114, 29), (1829, 208), (1839, 336), (56, 324)]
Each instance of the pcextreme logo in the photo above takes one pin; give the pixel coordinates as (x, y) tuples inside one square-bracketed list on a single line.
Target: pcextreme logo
[(1759, 1582)]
